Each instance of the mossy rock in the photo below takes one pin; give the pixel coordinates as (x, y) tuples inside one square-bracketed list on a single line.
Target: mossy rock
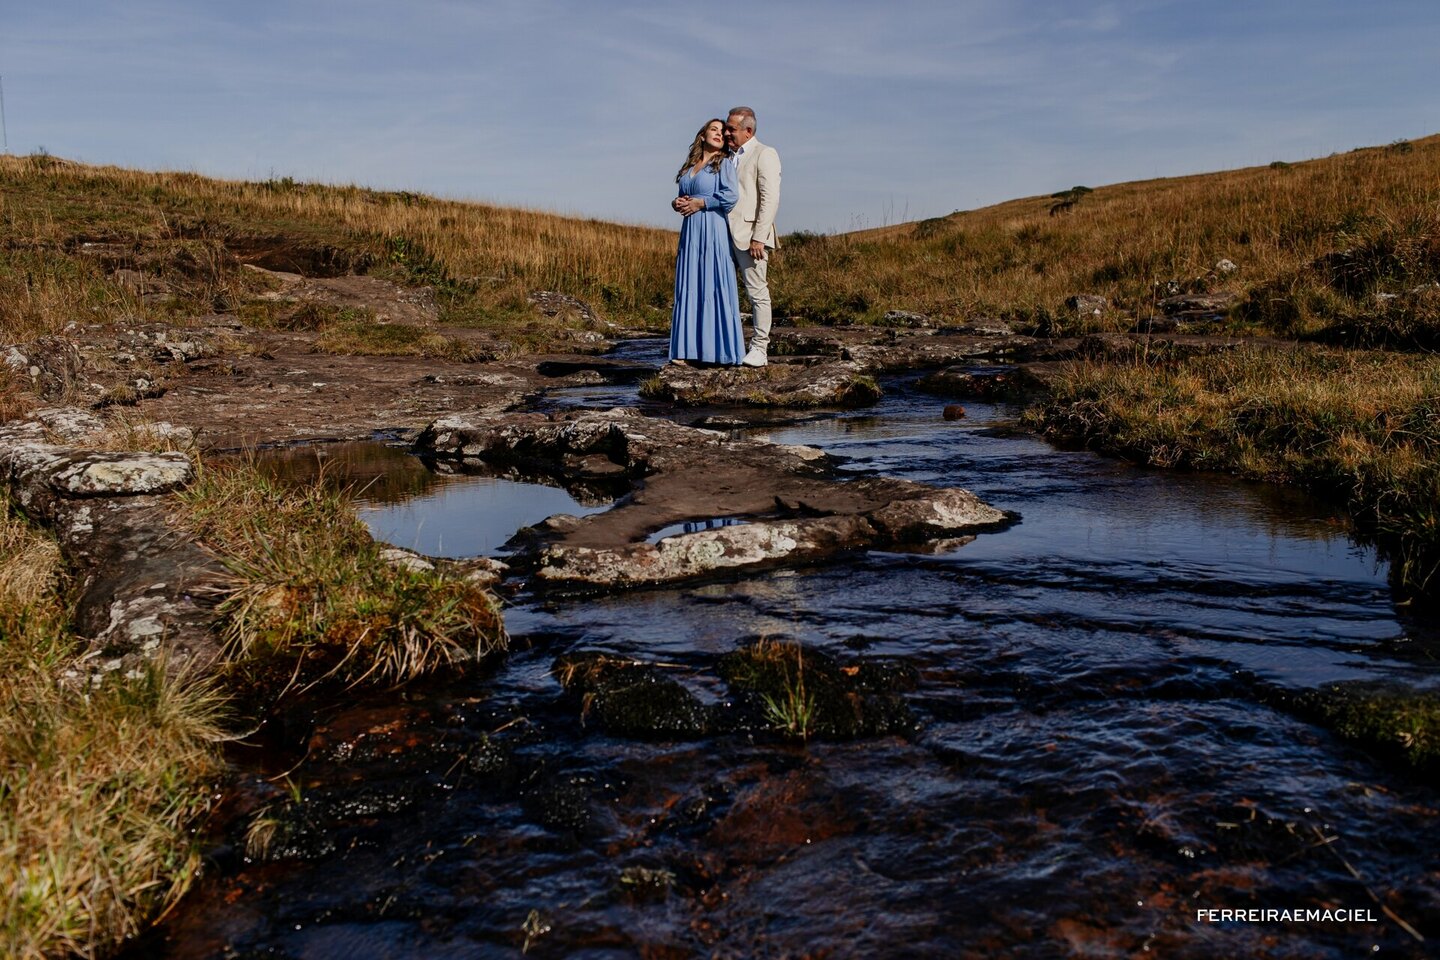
[(628, 698), (804, 693), (1399, 725)]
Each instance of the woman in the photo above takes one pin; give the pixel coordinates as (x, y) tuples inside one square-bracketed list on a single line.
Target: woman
[(705, 324)]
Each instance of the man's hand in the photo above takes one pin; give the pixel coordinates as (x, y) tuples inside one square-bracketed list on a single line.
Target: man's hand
[(689, 205), (757, 250)]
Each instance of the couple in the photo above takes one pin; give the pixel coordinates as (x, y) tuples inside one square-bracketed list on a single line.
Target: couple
[(729, 192)]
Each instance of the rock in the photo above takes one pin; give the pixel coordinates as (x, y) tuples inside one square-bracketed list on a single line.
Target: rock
[(1225, 267), (141, 582), (932, 513), (631, 699), (384, 301), (826, 384), (69, 424), (906, 319), (122, 474), (1158, 325), (985, 327), (607, 371), (482, 571), (55, 364), (959, 382), (953, 411), (803, 692), (1200, 305), (406, 560), (1087, 305), (553, 304), (797, 512)]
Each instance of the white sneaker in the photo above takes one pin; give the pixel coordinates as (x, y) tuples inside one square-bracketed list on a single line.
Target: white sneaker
[(755, 358)]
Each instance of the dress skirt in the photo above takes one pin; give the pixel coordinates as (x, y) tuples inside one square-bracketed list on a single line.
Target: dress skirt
[(705, 322)]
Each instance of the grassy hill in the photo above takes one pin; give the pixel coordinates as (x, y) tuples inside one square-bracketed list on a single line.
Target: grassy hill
[(1131, 242), (1018, 261)]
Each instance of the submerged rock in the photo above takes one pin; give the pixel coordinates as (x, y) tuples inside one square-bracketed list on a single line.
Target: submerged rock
[(803, 692), (631, 699)]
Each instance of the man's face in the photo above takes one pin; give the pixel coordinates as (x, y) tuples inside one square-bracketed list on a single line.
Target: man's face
[(736, 135)]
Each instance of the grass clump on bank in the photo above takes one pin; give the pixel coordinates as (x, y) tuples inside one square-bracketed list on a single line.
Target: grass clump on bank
[(312, 599), (1363, 425), (100, 787), (1405, 726)]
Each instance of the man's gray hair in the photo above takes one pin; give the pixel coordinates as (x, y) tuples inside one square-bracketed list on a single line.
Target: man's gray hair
[(747, 113)]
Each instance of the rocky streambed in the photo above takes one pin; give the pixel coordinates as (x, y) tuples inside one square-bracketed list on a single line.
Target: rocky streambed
[(1063, 736), (897, 685)]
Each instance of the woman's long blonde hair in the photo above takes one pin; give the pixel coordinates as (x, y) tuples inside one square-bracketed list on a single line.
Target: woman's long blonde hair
[(697, 150)]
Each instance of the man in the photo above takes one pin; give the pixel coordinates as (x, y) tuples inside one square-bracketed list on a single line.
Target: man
[(752, 222)]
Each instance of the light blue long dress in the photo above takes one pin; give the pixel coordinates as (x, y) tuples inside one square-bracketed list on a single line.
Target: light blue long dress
[(705, 323)]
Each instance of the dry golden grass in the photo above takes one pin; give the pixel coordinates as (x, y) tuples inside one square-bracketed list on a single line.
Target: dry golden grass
[(481, 259), (1017, 261), (100, 788)]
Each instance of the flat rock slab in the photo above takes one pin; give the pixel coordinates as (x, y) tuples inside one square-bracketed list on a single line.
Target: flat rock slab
[(144, 586), (832, 367), (784, 383), (794, 507)]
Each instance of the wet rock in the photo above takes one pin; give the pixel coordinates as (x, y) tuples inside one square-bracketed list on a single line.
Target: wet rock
[(803, 692), (562, 804), (651, 881), (631, 699), (318, 823), (969, 384), (953, 411), (1395, 723), (798, 512), (607, 371)]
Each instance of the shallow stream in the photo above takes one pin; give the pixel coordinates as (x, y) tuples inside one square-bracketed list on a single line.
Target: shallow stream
[(1102, 747)]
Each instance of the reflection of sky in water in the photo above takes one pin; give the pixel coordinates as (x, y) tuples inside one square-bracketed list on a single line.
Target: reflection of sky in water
[(694, 526), (468, 516)]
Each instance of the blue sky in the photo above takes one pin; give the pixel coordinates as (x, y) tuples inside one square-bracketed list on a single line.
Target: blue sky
[(881, 112)]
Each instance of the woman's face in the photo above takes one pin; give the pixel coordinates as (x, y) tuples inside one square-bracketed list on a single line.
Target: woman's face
[(715, 135)]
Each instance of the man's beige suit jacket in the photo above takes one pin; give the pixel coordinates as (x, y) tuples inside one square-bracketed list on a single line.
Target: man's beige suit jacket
[(753, 216)]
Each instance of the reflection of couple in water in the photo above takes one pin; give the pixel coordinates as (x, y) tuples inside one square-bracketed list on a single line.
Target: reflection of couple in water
[(729, 192)]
